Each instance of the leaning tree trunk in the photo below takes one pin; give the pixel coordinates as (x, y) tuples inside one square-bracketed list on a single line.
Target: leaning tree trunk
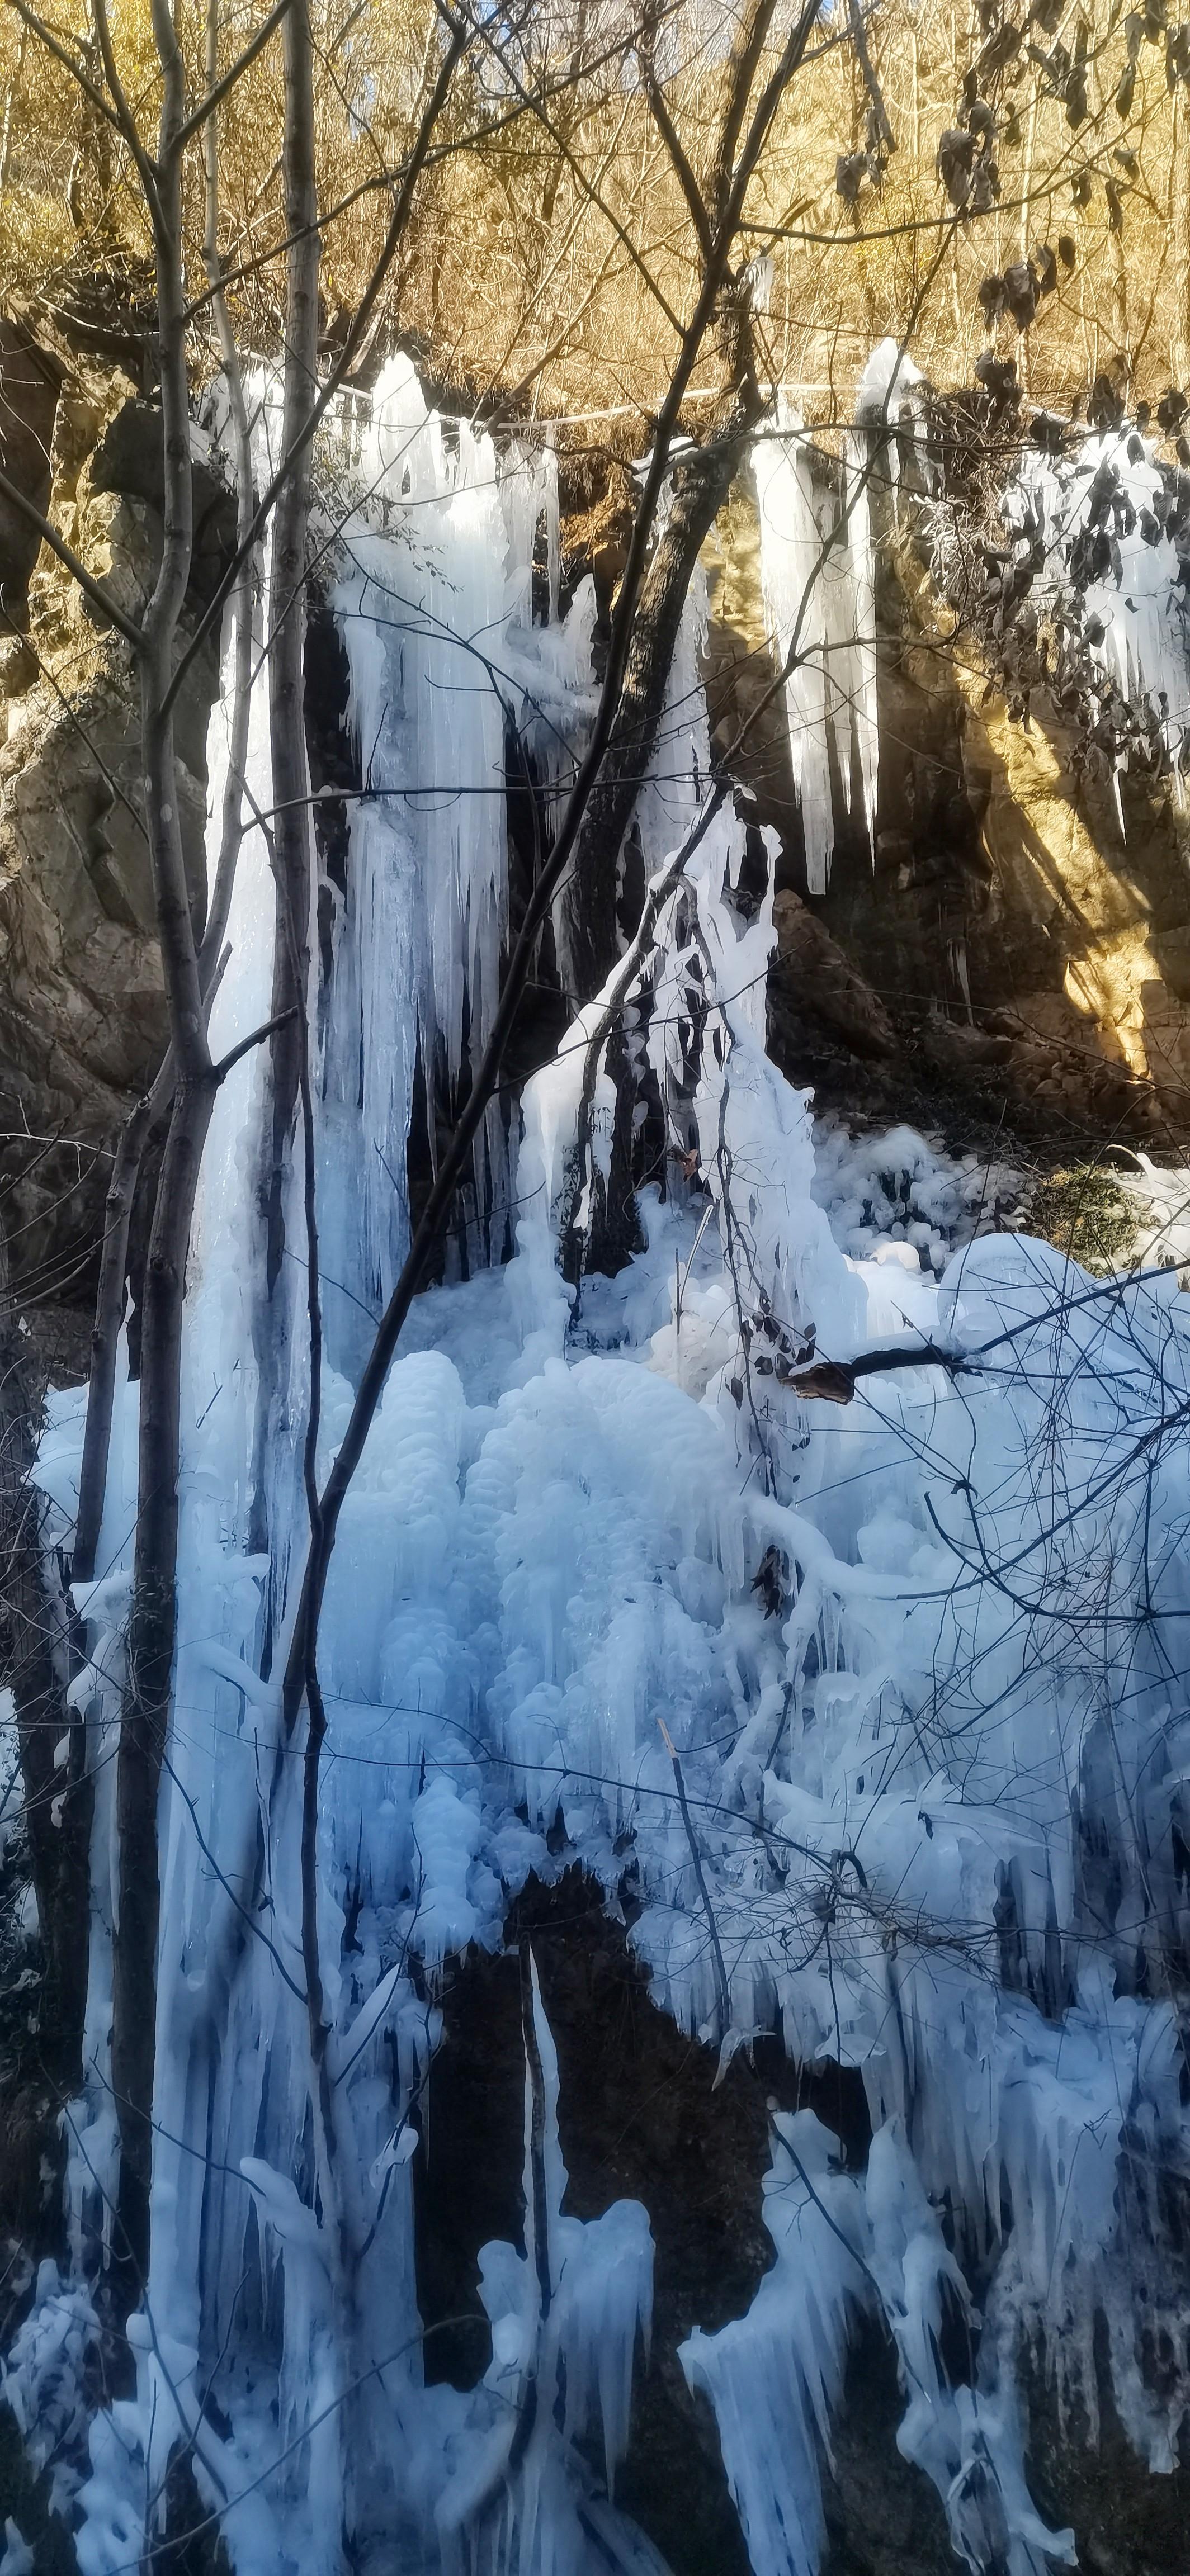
[(702, 478)]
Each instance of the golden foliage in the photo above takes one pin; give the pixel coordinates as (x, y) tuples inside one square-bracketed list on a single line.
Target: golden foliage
[(551, 255)]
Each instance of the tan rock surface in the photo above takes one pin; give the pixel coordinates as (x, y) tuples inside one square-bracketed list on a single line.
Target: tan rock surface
[(82, 1022)]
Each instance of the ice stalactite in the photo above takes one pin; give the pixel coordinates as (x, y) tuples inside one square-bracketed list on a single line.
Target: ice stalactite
[(436, 590), (851, 2247), (808, 598), (565, 2316), (775, 2378), (887, 437), (817, 558)]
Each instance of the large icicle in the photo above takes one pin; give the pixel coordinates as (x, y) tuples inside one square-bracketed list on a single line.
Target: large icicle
[(565, 2316), (817, 564), (807, 603), (848, 2247)]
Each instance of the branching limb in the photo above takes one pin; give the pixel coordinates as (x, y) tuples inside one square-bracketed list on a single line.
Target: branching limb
[(78, 72), (218, 90)]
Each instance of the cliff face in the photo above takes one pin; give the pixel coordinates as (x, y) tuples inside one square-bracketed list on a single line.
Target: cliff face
[(1007, 934), (82, 1023)]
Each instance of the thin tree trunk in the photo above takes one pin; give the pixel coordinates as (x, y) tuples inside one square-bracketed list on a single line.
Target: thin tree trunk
[(292, 846), (148, 1114), (1180, 190), (33, 1665), (109, 1316), (287, 623), (152, 1620), (292, 838), (11, 96), (185, 1088), (587, 940), (151, 1638)]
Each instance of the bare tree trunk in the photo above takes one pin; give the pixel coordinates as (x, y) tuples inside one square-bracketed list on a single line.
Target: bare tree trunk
[(152, 1621), (105, 1331), (11, 96), (33, 1665), (148, 1115), (291, 840), (293, 857), (1180, 191), (151, 1638), (587, 941), (287, 620)]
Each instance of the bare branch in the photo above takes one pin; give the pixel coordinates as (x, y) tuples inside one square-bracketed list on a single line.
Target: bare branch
[(221, 89), (346, 360), (91, 589)]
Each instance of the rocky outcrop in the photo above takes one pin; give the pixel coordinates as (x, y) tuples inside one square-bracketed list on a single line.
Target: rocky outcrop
[(1029, 948), (82, 1023), (813, 979)]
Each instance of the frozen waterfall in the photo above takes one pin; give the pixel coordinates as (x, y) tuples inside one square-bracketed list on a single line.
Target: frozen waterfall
[(929, 1782)]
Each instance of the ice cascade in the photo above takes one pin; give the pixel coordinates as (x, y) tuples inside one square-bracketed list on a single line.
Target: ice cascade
[(870, 1716)]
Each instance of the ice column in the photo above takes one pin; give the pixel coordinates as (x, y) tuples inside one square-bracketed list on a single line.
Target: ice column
[(439, 562)]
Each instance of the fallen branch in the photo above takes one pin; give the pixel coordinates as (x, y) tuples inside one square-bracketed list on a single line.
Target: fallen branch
[(834, 1381)]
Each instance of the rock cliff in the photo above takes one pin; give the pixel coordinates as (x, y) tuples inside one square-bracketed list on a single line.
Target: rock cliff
[(82, 1023), (1007, 936)]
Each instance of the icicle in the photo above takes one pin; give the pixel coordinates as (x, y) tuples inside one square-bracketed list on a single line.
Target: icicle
[(864, 666), (1134, 613), (565, 2317), (775, 2378), (795, 580)]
